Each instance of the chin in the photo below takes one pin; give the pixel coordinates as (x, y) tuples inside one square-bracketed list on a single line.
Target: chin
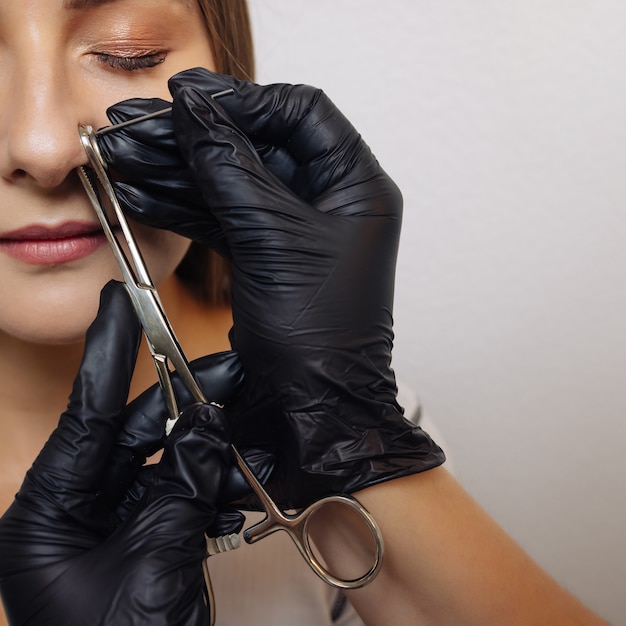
[(57, 335)]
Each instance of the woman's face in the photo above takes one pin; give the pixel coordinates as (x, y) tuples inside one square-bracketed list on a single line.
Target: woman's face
[(63, 62)]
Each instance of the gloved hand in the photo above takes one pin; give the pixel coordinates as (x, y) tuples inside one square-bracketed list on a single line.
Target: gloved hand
[(143, 435), (311, 222), (62, 559)]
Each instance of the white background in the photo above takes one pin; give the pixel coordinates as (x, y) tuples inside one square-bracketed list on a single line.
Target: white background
[(504, 124)]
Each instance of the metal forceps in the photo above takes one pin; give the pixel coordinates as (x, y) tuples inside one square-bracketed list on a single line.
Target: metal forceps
[(166, 351)]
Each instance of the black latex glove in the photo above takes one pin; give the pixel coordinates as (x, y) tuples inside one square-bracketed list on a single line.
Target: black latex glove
[(143, 435), (61, 561), (311, 223)]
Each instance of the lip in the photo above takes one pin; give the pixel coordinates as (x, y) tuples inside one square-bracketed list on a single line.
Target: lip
[(41, 244)]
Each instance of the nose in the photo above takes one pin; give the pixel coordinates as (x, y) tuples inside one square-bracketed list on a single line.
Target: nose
[(38, 128)]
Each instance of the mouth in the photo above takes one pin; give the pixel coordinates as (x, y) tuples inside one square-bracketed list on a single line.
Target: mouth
[(39, 244)]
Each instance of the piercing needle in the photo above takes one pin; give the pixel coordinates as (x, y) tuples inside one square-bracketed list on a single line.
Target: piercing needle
[(149, 116)]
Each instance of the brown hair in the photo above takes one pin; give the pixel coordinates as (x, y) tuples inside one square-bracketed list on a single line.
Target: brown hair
[(203, 271)]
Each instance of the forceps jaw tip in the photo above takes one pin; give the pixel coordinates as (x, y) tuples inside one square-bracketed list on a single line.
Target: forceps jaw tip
[(88, 141)]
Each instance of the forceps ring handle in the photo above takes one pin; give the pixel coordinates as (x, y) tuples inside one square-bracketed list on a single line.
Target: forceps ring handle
[(296, 526)]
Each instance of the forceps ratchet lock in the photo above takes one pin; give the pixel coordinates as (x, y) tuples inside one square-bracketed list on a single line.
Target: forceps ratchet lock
[(167, 353)]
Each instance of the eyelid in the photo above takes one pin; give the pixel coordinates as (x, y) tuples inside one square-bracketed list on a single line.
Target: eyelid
[(133, 60)]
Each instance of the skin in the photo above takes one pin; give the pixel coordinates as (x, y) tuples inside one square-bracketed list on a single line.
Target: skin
[(446, 562)]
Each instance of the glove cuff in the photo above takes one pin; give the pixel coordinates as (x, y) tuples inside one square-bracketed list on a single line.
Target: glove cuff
[(343, 458)]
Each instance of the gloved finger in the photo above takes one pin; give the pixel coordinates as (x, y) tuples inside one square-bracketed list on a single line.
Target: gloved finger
[(132, 147), (130, 499), (146, 152), (143, 433), (300, 119), (227, 521), (151, 180), (335, 168), (219, 376), (128, 479), (185, 487), (174, 207), (236, 488), (236, 185), (70, 466)]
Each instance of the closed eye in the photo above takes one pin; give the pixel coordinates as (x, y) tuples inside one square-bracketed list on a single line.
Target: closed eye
[(132, 63)]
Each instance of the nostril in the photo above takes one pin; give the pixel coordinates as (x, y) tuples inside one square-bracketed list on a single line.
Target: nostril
[(19, 173)]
